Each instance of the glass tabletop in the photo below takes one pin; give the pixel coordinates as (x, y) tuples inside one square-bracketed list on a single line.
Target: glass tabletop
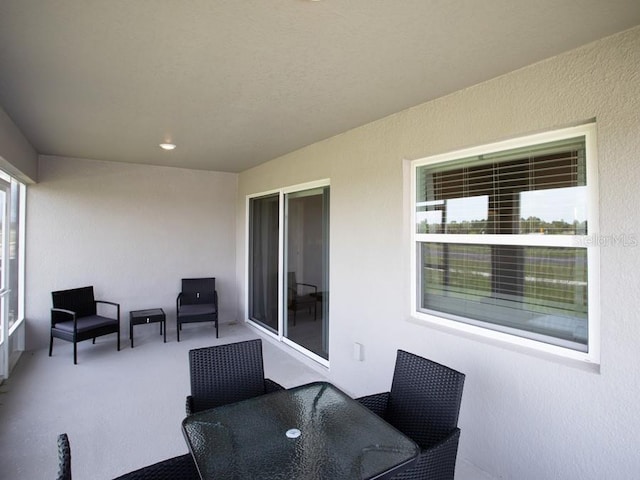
[(314, 431)]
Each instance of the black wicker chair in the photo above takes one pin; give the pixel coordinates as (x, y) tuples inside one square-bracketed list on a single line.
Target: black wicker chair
[(301, 295), (177, 468), (197, 302), (74, 318), (64, 457), (226, 374), (424, 403)]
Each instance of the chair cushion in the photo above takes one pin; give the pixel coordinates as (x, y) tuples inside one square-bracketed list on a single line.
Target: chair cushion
[(305, 299), (198, 309), (86, 323)]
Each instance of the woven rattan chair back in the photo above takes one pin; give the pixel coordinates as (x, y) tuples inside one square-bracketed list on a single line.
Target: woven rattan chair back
[(425, 397), (225, 374), (177, 468), (64, 457), (198, 290)]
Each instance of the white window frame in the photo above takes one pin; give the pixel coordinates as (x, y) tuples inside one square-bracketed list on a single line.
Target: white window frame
[(593, 258)]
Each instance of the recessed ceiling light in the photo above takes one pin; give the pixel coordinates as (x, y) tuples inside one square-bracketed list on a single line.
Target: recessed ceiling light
[(167, 146)]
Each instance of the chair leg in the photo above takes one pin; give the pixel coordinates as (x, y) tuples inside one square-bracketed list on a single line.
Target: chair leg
[(75, 352), (216, 327), (50, 344), (118, 339), (178, 327)]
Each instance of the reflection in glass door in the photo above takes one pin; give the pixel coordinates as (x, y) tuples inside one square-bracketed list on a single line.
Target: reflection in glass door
[(306, 264), (264, 213)]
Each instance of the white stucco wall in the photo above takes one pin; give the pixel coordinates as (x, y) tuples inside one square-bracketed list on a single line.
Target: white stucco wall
[(523, 416), (131, 231), (17, 156)]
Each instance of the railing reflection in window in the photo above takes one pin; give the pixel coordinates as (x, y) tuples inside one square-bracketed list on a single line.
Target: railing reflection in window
[(537, 289)]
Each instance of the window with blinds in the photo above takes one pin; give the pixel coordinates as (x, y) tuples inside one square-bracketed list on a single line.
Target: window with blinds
[(500, 238)]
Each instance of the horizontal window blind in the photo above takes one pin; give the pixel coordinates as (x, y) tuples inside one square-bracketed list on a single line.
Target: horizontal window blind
[(500, 191)]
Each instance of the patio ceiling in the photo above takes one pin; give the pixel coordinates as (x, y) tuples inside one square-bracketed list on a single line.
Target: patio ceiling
[(237, 83)]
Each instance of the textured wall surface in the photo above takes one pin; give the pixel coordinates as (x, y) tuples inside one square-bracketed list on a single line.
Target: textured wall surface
[(523, 416), (131, 231), (17, 156)]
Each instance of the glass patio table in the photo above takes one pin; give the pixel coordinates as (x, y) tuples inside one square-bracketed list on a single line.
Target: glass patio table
[(314, 431)]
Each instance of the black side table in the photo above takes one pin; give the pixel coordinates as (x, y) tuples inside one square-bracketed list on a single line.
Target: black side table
[(153, 315)]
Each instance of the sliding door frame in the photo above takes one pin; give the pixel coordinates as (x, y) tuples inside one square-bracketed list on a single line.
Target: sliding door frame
[(12, 336), (282, 307)]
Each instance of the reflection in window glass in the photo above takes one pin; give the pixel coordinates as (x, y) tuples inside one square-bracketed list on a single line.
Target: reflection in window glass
[(540, 290), (554, 211), (429, 221), (467, 214)]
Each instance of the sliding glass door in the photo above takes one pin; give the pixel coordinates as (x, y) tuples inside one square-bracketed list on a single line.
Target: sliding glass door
[(288, 274), (264, 240), (307, 267)]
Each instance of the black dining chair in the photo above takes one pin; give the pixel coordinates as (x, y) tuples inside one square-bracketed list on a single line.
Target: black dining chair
[(75, 318), (64, 457), (181, 467), (177, 468), (197, 302), (424, 404), (225, 374)]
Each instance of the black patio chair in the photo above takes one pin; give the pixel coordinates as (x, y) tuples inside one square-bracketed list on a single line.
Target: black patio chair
[(301, 295), (64, 457), (74, 318), (424, 403), (197, 302), (177, 468), (226, 374)]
